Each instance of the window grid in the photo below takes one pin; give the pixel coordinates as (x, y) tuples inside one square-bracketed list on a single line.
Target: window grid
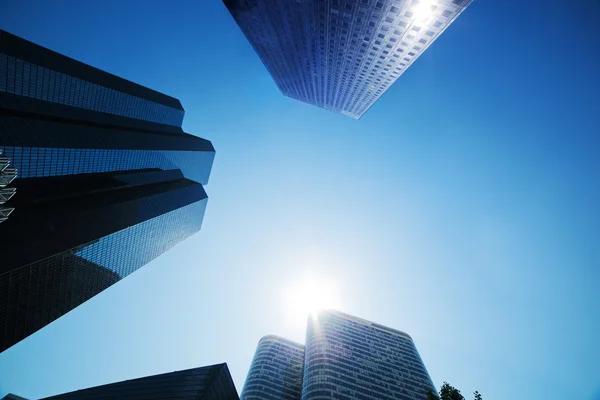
[(39, 293), (341, 55), (25, 79)]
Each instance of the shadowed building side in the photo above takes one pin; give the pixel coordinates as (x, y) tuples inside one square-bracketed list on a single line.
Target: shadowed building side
[(107, 181), (73, 210), (11, 396), (40, 73), (108, 225), (205, 383), (7, 175), (39, 145), (36, 295)]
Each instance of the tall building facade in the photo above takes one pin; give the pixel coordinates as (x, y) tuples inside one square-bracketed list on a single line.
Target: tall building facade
[(341, 55), (7, 175), (205, 383), (11, 396), (276, 370), (97, 178), (345, 358)]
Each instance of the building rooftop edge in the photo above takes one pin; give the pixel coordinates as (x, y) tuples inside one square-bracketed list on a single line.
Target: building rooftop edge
[(366, 322), (24, 47), (280, 339), (220, 366)]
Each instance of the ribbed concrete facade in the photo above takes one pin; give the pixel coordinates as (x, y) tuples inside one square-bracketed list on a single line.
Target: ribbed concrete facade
[(276, 370), (350, 358), (345, 358)]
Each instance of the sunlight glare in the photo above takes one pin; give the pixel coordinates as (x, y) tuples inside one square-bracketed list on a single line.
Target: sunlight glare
[(423, 11), (308, 296)]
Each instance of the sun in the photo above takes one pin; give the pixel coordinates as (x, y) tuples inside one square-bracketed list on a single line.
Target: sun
[(423, 10), (308, 296)]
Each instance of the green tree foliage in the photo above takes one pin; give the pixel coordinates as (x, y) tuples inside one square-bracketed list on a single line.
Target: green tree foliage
[(449, 392), (431, 395)]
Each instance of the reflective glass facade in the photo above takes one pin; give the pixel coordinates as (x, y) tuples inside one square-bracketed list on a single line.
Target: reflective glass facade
[(341, 55), (345, 358), (65, 81), (41, 83), (276, 371), (11, 396), (38, 147), (205, 383), (107, 181), (7, 175)]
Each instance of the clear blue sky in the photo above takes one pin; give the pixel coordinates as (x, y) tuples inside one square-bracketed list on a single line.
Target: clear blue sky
[(463, 208)]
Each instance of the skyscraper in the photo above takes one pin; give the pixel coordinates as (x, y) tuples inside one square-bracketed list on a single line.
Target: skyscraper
[(106, 181), (7, 175), (11, 396), (276, 370), (341, 55), (205, 383), (345, 358)]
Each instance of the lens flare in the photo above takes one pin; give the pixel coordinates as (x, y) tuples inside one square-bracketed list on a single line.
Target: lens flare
[(423, 10), (308, 296)]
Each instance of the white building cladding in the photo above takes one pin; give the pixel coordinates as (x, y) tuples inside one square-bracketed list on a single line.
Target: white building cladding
[(341, 55), (345, 358), (276, 370), (348, 358)]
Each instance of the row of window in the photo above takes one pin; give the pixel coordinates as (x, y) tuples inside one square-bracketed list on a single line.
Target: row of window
[(344, 358), (276, 371), (34, 81), (38, 162), (126, 251), (342, 55), (358, 360)]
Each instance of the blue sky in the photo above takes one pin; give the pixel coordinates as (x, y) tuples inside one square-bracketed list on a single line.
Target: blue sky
[(462, 208)]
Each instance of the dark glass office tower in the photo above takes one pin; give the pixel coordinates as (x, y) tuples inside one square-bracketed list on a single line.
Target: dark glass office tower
[(341, 55), (205, 383), (11, 396), (7, 175), (97, 178), (345, 358), (276, 370)]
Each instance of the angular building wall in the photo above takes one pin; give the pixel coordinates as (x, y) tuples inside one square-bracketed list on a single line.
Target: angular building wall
[(276, 371), (350, 358), (32, 71), (205, 383), (341, 55), (106, 181), (7, 175)]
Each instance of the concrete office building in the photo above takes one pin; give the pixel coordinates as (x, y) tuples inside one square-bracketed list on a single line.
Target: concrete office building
[(345, 358)]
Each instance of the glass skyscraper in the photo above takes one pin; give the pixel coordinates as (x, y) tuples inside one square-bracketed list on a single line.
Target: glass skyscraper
[(97, 178), (345, 358), (205, 383), (341, 55), (7, 175)]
